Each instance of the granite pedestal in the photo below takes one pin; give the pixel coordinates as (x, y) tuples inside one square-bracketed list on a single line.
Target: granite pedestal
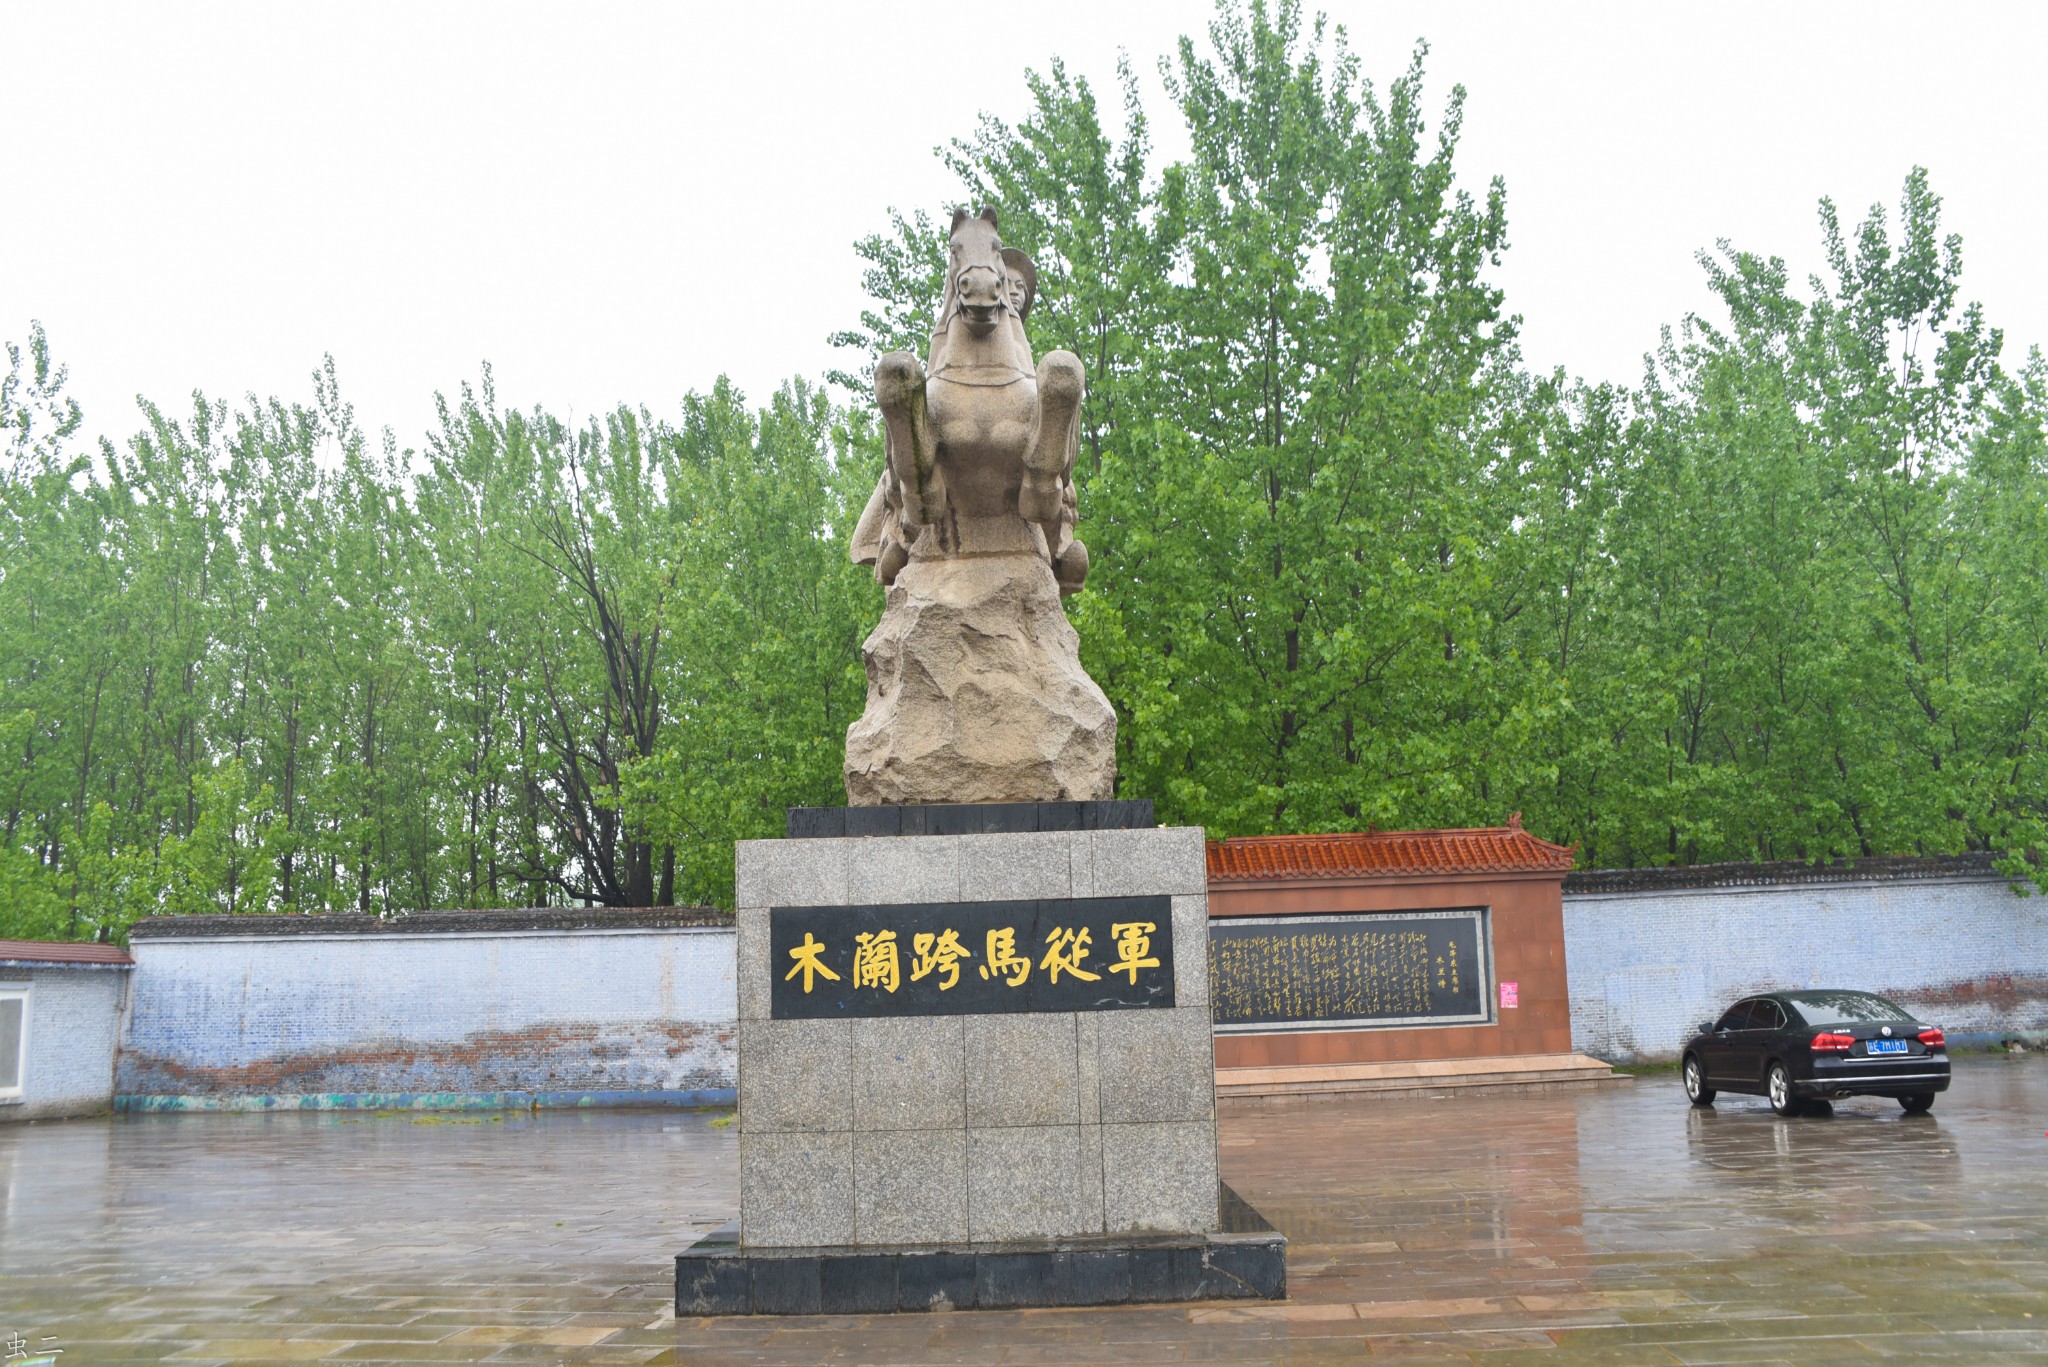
[(928, 1118)]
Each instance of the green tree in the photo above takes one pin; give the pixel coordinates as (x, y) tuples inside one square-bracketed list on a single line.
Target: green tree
[(770, 606), (1294, 427)]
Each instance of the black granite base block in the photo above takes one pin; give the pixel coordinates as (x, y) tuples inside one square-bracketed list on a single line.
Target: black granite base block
[(786, 1286), (1096, 1278), (975, 818), (874, 821), (952, 821), (859, 1284), (1249, 1272), (1060, 816), (1155, 1272), (1059, 1277), (1005, 1281), (712, 1278), (1245, 1259), (814, 823), (936, 1281)]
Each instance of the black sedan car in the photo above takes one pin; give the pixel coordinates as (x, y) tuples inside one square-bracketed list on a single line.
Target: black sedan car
[(1801, 1047)]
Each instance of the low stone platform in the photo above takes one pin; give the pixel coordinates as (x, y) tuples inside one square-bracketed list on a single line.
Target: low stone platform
[(1245, 1259), (969, 818), (1314, 1081)]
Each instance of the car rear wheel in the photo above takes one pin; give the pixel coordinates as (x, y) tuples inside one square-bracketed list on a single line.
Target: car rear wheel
[(1917, 1103), (1696, 1089), (1778, 1087)]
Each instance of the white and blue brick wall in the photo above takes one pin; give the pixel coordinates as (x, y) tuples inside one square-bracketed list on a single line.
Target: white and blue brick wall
[(610, 1016), (73, 1023), (1646, 966), (518, 1016)]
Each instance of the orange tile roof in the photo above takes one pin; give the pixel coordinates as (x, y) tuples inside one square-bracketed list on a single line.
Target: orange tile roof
[(1380, 854), (60, 952)]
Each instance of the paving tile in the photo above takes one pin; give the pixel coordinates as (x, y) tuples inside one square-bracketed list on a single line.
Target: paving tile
[(1608, 1226), (558, 1337), (1635, 1356), (602, 1356), (99, 1350), (406, 1352), (261, 1350)]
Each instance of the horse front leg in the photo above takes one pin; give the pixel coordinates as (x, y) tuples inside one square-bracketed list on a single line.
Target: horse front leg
[(913, 454), (1048, 461)]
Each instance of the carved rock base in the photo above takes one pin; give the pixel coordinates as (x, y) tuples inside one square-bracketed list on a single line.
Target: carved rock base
[(976, 692)]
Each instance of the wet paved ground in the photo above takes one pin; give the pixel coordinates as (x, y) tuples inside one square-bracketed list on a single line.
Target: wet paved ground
[(1562, 1228)]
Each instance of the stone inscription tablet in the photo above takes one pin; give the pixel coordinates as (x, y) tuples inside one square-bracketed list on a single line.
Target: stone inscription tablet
[(964, 958), (1349, 970)]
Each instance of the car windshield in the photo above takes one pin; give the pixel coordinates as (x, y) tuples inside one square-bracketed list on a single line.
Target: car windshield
[(1830, 1008)]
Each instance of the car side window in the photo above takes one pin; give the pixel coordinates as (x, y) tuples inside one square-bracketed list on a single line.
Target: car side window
[(1769, 1016), (1737, 1017)]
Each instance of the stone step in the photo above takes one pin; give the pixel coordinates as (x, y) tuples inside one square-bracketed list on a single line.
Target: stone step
[(1430, 1075), (1244, 1257)]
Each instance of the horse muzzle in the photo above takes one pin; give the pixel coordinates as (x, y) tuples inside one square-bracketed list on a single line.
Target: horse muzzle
[(981, 298)]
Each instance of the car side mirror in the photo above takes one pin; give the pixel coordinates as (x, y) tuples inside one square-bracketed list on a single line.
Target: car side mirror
[(1706, 1027)]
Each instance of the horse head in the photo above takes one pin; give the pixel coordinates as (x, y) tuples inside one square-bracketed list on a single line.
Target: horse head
[(977, 277)]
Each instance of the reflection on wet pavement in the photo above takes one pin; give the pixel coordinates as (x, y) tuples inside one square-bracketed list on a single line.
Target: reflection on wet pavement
[(1615, 1225)]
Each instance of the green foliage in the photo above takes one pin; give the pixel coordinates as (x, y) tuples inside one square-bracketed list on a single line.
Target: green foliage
[(1809, 636), (1785, 598), (253, 665), (38, 417), (1298, 385), (772, 611)]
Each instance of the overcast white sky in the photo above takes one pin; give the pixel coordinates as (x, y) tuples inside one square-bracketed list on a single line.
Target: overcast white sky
[(621, 202)]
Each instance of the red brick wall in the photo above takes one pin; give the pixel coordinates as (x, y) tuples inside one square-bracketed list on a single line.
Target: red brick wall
[(1528, 949)]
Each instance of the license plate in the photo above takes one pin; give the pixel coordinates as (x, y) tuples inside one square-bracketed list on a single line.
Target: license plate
[(1886, 1046)]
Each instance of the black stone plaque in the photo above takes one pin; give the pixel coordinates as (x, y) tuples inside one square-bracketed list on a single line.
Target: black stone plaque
[(1349, 970), (961, 958)]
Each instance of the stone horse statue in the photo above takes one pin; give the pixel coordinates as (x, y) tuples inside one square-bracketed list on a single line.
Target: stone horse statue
[(977, 434), (975, 686)]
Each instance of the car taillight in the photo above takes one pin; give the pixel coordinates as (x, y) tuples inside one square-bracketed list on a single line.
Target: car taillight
[(1830, 1043), (1934, 1039)]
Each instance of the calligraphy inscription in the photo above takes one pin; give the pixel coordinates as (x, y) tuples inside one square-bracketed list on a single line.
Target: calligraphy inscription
[(969, 958), (1348, 970)]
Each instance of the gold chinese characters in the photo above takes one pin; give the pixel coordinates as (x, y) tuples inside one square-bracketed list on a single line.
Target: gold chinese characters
[(941, 952), (1070, 952), (874, 961), (1133, 947), (809, 961)]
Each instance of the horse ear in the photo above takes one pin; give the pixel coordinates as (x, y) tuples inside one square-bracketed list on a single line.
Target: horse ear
[(988, 211), (959, 217)]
